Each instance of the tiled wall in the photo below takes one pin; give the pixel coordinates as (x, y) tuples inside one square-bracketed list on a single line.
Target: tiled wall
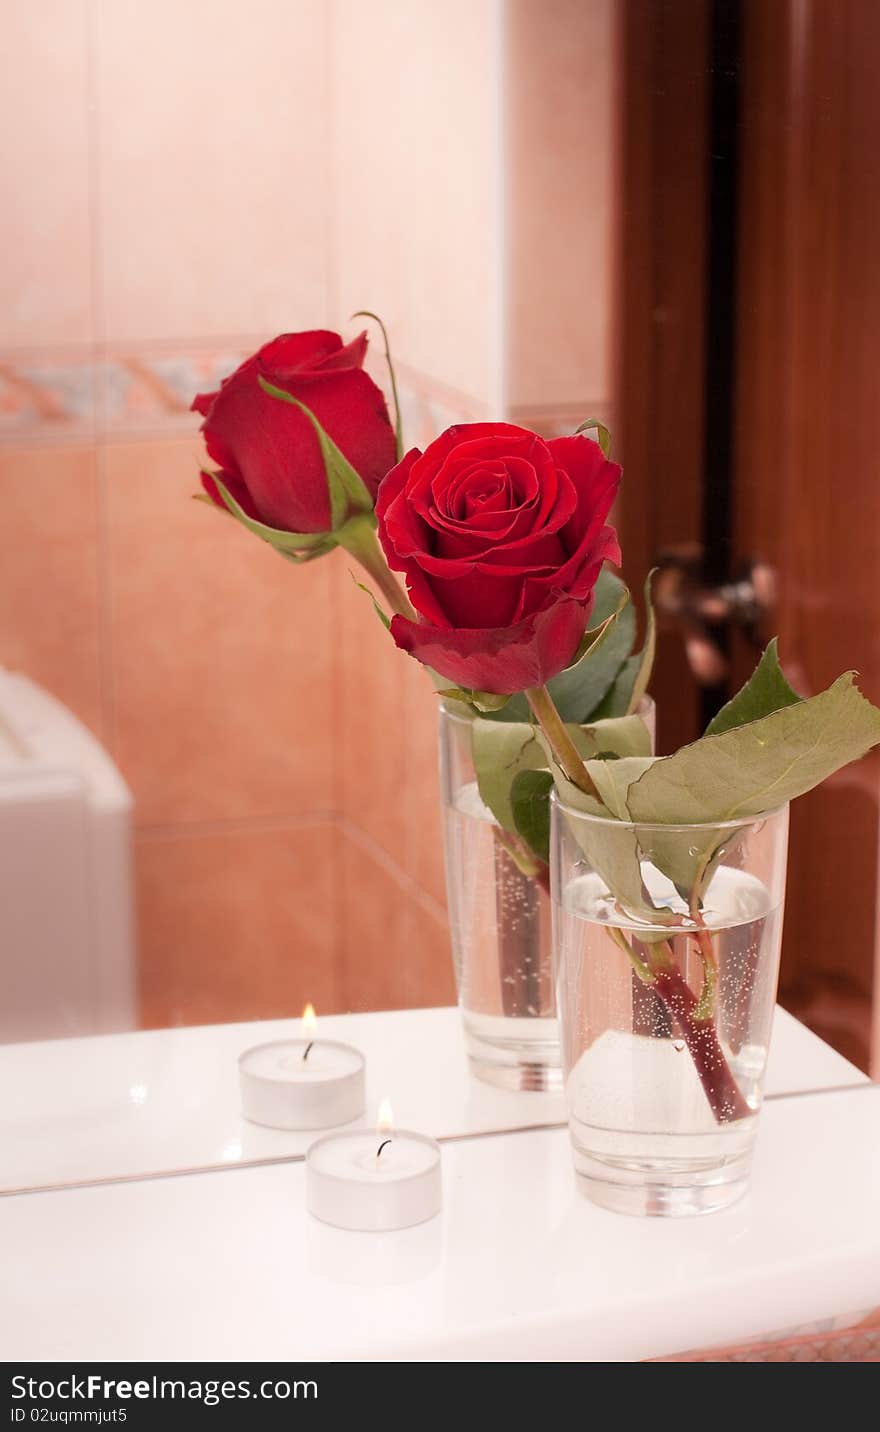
[(189, 178)]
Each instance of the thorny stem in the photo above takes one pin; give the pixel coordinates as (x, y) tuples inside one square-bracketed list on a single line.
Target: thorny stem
[(561, 744), (697, 1029)]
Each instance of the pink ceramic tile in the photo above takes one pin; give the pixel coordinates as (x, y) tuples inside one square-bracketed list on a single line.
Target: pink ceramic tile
[(214, 196), (394, 944), (49, 573), (416, 119), (237, 925), (561, 123), (424, 833), (374, 927), (429, 978), (45, 282), (221, 652)]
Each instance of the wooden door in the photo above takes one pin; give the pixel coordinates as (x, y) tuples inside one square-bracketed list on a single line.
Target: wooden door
[(802, 487), (807, 470)]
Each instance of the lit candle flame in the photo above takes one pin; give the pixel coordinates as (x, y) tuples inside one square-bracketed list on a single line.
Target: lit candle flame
[(309, 1022), (385, 1118)]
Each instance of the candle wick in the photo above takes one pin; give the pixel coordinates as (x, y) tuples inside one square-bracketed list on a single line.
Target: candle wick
[(384, 1144), (308, 1050)]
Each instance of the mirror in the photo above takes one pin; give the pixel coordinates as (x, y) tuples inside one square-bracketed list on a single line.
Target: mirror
[(219, 796)]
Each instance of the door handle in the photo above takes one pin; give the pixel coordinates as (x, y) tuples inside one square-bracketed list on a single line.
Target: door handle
[(702, 611)]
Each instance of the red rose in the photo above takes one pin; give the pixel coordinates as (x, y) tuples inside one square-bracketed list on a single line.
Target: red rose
[(268, 450), (501, 536)]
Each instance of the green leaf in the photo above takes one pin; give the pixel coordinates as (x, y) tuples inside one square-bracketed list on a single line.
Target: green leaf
[(290, 543), (748, 770), (530, 802), (398, 421), (503, 749), (751, 769), (632, 680), (603, 436), (616, 701), (612, 851), (765, 691), (613, 779), (579, 689), (345, 487)]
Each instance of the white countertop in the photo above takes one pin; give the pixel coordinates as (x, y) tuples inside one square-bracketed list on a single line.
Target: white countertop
[(519, 1266), (164, 1101)]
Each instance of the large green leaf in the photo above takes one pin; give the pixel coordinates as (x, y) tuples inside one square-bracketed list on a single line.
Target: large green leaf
[(347, 490), (765, 691), (749, 770), (578, 690)]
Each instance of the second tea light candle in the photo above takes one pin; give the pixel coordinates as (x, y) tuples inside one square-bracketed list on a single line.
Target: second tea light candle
[(304, 1083)]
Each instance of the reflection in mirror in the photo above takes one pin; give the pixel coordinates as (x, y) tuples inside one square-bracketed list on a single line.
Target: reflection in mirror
[(219, 793)]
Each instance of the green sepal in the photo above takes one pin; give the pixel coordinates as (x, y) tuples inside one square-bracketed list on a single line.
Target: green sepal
[(301, 546), (603, 436), (483, 701), (398, 420), (346, 489)]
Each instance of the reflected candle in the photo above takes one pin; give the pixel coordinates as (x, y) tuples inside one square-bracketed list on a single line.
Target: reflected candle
[(304, 1083), (373, 1183)]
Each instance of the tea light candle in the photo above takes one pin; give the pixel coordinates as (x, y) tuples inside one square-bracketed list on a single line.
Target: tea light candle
[(373, 1183), (304, 1083)]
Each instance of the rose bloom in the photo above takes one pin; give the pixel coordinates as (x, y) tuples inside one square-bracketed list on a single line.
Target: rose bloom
[(267, 450), (501, 537)]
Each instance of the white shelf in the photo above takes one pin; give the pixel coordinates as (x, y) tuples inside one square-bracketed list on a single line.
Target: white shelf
[(518, 1267)]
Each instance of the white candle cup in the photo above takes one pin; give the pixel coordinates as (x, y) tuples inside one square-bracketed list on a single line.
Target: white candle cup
[(349, 1184), (282, 1089)]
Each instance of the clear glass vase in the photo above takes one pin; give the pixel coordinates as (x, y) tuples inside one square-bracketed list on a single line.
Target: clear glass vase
[(666, 986), (500, 928)]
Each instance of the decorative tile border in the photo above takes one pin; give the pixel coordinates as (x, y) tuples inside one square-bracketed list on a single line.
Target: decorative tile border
[(77, 394), (87, 394), (84, 394)]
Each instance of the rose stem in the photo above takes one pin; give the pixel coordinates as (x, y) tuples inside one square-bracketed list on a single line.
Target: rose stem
[(722, 1092), (360, 541), (561, 744)]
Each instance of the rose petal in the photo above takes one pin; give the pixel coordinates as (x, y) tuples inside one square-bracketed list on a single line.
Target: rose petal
[(506, 660)]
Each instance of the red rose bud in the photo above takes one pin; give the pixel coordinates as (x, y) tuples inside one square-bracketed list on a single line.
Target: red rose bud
[(269, 451), (501, 537)]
